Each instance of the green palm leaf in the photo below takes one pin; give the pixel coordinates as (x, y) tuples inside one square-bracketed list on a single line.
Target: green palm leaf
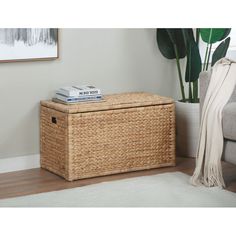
[(212, 35), (194, 63), (220, 51), (169, 40), (227, 31)]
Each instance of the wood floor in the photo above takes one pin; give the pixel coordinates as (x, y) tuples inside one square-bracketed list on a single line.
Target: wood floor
[(33, 181)]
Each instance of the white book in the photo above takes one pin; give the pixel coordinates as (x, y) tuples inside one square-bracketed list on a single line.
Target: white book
[(77, 91), (87, 90), (68, 91)]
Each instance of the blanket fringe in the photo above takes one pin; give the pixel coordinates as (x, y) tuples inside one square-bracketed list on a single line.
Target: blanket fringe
[(214, 177), (211, 178)]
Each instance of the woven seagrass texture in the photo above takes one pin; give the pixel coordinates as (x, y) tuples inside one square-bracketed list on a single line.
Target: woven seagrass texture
[(88, 144), (54, 140), (115, 101)]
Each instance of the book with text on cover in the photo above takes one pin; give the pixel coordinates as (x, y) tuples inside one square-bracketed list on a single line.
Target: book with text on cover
[(79, 91)]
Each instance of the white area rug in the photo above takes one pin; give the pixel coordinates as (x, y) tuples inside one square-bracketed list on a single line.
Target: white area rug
[(163, 190)]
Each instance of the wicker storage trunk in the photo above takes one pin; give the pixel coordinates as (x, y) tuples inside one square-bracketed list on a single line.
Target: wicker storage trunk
[(125, 132)]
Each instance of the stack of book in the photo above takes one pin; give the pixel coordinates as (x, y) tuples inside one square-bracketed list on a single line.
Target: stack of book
[(74, 94)]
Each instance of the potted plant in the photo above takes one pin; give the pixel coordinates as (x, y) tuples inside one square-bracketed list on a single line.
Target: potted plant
[(183, 44)]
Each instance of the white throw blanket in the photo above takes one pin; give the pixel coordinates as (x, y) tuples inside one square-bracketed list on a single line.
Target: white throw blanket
[(208, 169)]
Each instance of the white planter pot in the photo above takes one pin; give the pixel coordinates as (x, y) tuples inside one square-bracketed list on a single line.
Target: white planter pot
[(187, 128)]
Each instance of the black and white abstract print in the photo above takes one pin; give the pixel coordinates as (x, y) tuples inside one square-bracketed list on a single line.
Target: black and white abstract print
[(28, 43)]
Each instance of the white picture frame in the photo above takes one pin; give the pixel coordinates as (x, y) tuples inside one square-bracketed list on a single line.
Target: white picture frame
[(27, 44)]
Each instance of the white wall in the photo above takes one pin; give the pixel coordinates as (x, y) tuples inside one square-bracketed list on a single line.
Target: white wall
[(116, 60)]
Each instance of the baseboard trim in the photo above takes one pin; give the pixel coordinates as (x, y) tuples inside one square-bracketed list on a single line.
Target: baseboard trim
[(19, 163)]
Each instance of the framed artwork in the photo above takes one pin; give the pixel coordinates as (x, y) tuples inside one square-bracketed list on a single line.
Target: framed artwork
[(17, 44)]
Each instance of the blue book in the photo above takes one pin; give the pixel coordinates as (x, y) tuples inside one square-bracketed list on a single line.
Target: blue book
[(67, 99)]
